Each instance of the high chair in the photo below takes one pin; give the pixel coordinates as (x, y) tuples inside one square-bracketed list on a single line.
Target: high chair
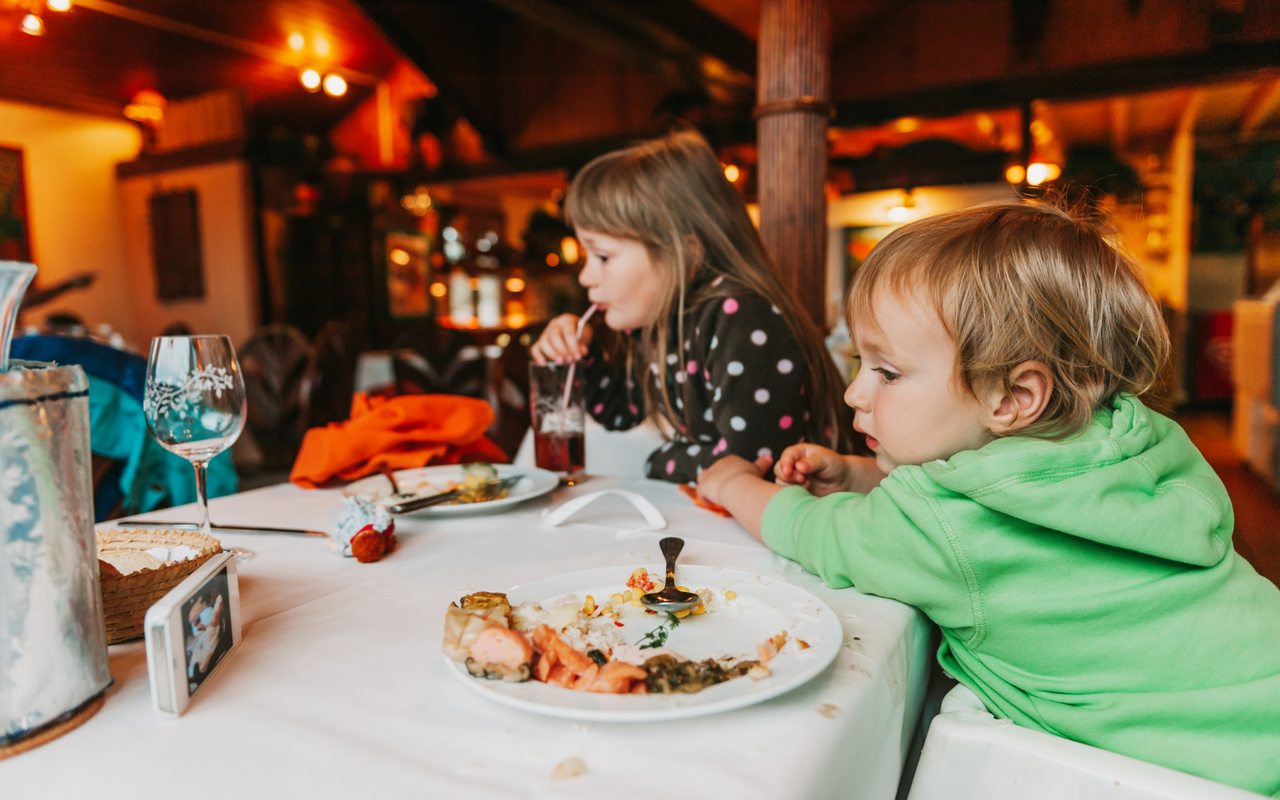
[(971, 754)]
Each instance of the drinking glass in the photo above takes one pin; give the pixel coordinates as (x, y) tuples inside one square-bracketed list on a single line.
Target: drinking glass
[(559, 417), (195, 404)]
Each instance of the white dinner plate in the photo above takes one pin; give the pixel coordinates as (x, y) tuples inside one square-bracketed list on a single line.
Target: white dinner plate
[(764, 607), (376, 488)]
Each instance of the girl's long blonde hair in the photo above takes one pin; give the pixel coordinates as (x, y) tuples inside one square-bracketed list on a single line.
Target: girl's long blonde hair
[(671, 194)]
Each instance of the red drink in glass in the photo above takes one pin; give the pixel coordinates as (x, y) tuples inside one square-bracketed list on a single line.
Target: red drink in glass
[(559, 453)]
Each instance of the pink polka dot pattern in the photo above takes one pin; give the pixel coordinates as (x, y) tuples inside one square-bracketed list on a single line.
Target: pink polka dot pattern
[(632, 408), (671, 466), (599, 408), (693, 367), (785, 422), (720, 448), (730, 306)]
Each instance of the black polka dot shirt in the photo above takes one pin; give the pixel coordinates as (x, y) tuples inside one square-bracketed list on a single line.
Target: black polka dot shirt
[(737, 381)]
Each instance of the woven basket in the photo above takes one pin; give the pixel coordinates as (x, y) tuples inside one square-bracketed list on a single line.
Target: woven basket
[(125, 599)]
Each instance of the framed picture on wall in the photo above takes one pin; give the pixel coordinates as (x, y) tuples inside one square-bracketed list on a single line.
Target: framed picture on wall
[(175, 245), (15, 229)]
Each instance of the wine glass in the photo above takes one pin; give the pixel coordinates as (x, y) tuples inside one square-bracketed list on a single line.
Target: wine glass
[(195, 404)]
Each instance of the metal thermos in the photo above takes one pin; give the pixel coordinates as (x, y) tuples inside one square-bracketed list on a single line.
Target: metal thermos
[(53, 644)]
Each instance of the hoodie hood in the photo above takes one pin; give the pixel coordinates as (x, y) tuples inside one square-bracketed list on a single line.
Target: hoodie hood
[(1128, 457)]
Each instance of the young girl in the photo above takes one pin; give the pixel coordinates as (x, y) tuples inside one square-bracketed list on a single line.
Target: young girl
[(713, 342), (1073, 545)]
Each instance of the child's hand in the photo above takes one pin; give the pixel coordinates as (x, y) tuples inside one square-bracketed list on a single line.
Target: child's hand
[(739, 486), (559, 341), (824, 471), (816, 468)]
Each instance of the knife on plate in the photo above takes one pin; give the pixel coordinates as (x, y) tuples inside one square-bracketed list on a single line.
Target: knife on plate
[(405, 506)]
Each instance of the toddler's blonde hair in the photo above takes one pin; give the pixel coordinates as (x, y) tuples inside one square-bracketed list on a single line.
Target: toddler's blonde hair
[(1026, 282)]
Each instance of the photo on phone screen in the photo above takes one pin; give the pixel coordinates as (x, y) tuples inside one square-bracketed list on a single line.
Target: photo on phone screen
[(206, 629)]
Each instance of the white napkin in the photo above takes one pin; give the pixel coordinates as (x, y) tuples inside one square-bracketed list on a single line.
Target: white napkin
[(652, 516)]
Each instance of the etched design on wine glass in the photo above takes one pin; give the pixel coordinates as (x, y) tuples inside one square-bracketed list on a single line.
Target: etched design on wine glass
[(195, 405)]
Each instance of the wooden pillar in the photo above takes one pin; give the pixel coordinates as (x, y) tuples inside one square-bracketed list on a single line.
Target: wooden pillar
[(793, 109)]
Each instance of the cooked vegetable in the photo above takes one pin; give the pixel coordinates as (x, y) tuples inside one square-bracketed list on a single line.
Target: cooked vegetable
[(669, 675)]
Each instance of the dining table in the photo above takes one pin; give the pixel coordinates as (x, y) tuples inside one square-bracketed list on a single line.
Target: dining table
[(339, 687)]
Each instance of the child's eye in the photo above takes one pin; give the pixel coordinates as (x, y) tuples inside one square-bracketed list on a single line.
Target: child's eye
[(888, 375)]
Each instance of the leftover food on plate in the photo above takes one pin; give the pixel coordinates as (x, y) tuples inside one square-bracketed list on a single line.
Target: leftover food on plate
[(366, 531), (474, 487), (585, 646)]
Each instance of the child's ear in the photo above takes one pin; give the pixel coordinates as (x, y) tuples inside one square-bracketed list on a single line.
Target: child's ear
[(1032, 384), (693, 246)]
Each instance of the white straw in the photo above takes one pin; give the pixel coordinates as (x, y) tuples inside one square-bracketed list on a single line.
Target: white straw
[(568, 386)]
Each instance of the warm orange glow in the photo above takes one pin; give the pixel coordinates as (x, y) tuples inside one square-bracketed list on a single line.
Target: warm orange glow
[(439, 290), (552, 259), (569, 246), (320, 46), (503, 339), (732, 172), (515, 285), (907, 125), (60, 5), (399, 256), (310, 79), (335, 85), (33, 25), (1015, 174), (475, 284), (1039, 172), (899, 214), (517, 321), (297, 41), (144, 113)]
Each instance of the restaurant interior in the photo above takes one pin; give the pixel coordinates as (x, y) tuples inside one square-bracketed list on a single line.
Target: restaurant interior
[(367, 197)]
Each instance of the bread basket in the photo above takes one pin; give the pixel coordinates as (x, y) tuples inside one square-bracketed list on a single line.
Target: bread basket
[(126, 598)]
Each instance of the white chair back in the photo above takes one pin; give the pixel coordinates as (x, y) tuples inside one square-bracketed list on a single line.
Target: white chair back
[(971, 754)]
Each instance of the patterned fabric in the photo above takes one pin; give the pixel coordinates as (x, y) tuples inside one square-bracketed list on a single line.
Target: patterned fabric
[(737, 381)]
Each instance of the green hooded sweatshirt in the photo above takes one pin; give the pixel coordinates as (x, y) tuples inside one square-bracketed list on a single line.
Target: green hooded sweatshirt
[(1087, 588)]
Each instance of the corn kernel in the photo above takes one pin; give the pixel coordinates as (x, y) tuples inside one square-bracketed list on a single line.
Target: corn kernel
[(699, 609), (617, 599), (730, 594), (683, 588), (683, 614), (636, 602)]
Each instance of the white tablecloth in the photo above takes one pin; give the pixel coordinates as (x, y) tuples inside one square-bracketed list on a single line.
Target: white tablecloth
[(339, 688)]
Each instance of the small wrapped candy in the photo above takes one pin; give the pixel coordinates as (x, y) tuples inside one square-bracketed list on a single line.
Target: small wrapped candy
[(366, 531)]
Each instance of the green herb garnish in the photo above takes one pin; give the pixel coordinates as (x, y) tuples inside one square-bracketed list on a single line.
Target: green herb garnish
[(597, 656), (658, 636)]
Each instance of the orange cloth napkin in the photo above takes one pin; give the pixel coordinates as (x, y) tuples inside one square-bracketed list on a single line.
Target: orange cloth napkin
[(402, 432)]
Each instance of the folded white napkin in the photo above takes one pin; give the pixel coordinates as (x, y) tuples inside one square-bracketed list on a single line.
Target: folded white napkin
[(652, 516)]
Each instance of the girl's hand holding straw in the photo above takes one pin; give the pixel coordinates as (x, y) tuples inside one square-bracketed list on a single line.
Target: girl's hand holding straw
[(563, 341)]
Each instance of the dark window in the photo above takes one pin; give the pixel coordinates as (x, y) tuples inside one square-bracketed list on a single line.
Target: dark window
[(175, 245)]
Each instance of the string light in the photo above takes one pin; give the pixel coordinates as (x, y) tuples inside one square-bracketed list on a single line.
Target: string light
[(59, 5), (569, 246), (33, 25), (334, 85), (1015, 173), (310, 79), (552, 259), (399, 256), (439, 290), (732, 173), (297, 41), (515, 285), (320, 46)]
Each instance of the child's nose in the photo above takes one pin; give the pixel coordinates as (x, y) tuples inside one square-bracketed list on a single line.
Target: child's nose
[(854, 397)]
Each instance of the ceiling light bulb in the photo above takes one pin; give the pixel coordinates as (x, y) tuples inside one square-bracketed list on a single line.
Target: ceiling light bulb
[(60, 5), (33, 25), (297, 41), (310, 79), (320, 46), (334, 85), (899, 214), (732, 173), (1037, 173)]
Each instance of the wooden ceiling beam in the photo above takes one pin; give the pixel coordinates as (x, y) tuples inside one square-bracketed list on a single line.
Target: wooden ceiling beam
[(1119, 109), (1260, 107), (1099, 80)]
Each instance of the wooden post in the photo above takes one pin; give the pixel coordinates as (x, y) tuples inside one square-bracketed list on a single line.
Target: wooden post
[(793, 109)]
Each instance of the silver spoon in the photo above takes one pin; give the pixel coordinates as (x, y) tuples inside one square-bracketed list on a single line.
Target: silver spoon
[(670, 599)]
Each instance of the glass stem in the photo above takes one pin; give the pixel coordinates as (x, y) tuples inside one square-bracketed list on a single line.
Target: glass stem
[(202, 496)]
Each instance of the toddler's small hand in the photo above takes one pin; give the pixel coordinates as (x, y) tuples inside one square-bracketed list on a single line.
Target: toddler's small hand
[(559, 342), (714, 480), (818, 469)]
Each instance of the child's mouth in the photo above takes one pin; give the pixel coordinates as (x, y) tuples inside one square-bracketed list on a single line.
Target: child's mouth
[(872, 443)]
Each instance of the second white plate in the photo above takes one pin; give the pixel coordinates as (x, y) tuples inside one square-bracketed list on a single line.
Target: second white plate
[(533, 483), (763, 608)]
